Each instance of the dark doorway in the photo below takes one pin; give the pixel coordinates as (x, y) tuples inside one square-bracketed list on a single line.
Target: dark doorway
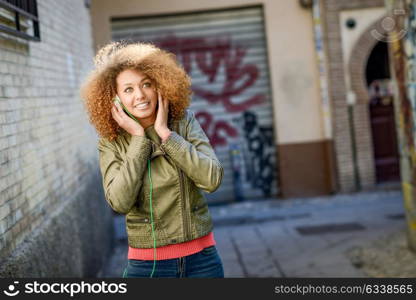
[(383, 126)]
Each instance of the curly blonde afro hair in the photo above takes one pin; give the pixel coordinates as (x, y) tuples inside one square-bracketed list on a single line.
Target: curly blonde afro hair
[(160, 66)]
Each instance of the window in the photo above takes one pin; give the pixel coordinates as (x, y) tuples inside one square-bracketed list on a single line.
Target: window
[(20, 18)]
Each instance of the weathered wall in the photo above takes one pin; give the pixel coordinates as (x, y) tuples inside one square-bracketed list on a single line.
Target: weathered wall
[(351, 127), (54, 220), (402, 49)]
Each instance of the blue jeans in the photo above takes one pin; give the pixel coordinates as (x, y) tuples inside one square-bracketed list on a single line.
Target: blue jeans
[(204, 264)]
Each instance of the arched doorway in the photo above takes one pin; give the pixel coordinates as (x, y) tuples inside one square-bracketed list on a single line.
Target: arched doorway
[(381, 110)]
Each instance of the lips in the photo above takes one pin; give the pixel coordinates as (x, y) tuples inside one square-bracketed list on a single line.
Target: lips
[(143, 105)]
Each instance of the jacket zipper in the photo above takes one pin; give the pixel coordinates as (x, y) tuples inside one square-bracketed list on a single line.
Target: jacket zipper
[(184, 211), (186, 222)]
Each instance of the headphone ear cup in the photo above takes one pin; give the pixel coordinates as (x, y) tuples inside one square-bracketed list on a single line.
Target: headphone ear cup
[(116, 99)]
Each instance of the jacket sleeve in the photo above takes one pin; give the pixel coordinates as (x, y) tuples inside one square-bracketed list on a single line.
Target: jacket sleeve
[(122, 179), (195, 156)]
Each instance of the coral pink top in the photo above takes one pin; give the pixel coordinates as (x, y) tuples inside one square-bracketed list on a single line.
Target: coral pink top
[(174, 250)]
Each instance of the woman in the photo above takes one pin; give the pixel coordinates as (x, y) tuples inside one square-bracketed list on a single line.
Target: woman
[(154, 159)]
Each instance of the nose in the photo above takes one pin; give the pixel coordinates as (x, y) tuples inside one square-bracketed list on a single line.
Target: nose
[(139, 94)]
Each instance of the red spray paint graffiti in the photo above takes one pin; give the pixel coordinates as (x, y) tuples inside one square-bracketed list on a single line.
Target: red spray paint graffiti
[(213, 129), (209, 55)]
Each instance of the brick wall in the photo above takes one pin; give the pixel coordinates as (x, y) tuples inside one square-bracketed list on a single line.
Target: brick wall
[(50, 195), (342, 135)]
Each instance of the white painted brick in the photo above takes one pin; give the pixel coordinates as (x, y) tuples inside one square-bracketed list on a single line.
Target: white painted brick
[(4, 211), (6, 80), (4, 68), (35, 94), (3, 226), (10, 92), (18, 215)]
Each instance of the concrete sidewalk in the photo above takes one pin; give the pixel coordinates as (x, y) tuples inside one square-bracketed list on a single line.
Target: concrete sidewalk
[(310, 237)]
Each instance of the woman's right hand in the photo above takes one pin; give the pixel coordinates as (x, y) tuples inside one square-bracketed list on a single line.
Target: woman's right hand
[(125, 122)]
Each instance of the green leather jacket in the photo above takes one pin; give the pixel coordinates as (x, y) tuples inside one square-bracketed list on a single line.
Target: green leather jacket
[(180, 167)]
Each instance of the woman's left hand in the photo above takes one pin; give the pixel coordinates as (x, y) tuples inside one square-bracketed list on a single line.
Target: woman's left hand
[(161, 123)]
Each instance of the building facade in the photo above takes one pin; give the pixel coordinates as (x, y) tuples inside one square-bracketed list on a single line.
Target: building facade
[(364, 135)]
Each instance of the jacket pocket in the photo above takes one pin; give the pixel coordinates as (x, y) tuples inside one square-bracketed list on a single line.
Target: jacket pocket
[(138, 220), (137, 225)]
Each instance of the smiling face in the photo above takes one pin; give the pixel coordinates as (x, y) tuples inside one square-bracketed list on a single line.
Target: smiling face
[(138, 94)]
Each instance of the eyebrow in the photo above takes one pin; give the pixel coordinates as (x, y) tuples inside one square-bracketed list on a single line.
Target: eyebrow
[(129, 83)]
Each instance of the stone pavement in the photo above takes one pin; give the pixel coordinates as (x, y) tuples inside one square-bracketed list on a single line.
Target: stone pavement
[(311, 237), (386, 257)]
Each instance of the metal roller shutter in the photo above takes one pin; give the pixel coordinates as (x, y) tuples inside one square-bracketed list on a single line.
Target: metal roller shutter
[(224, 52)]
